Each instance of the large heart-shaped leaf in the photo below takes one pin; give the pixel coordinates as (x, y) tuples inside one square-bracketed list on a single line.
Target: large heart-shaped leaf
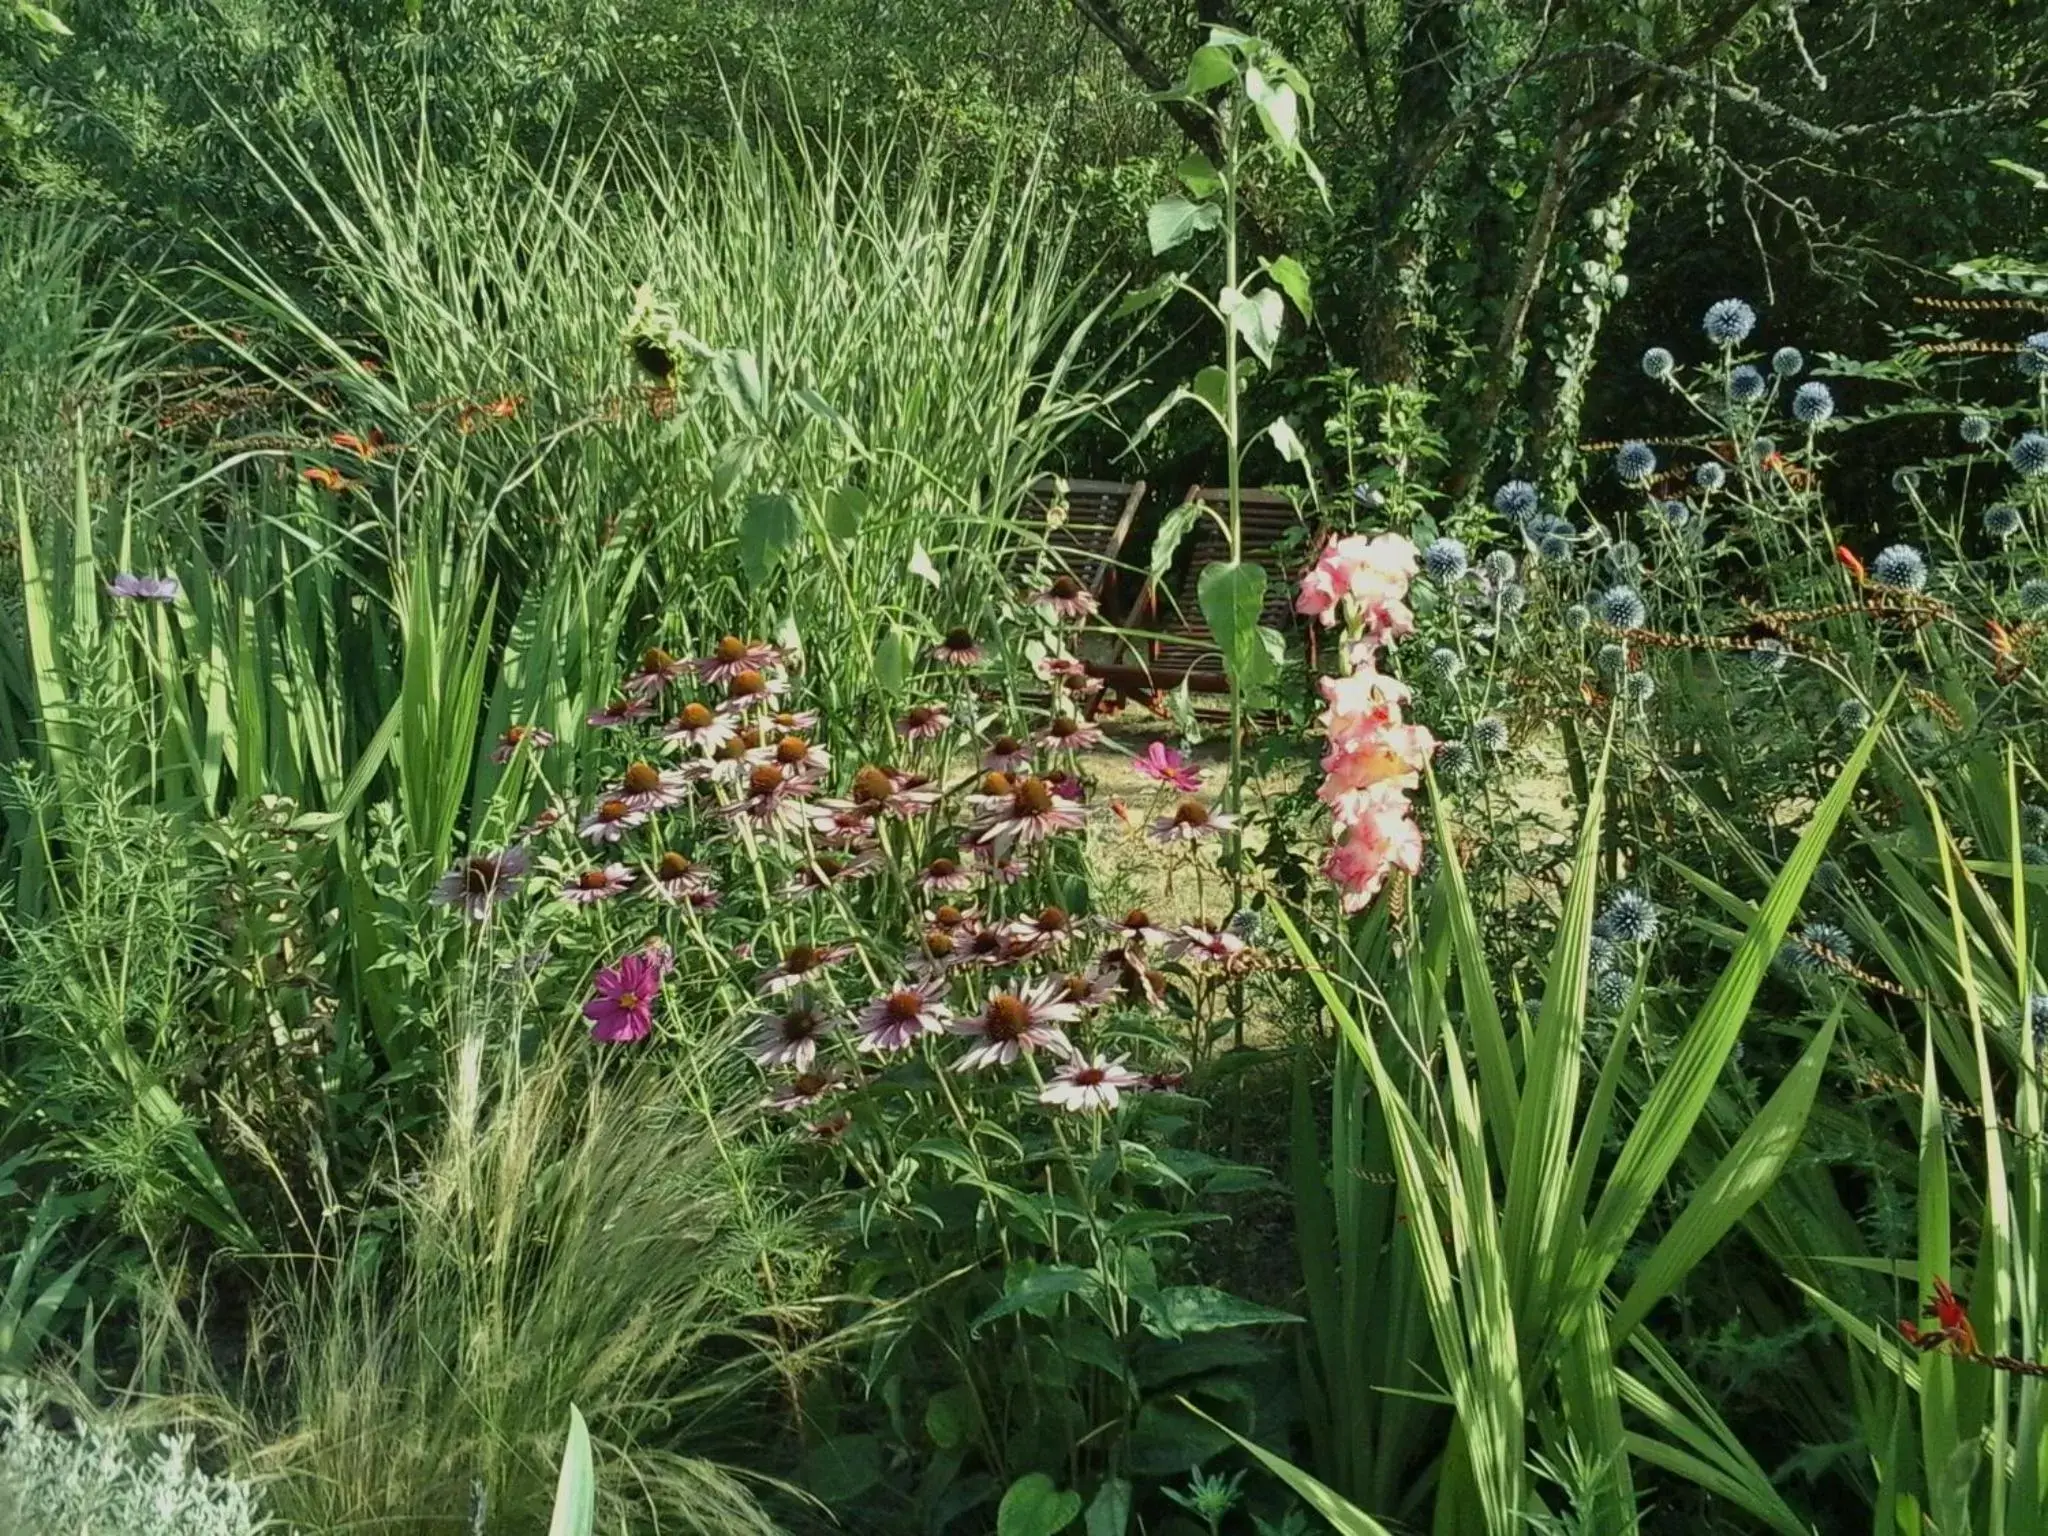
[(1232, 593), (1035, 1506), (1257, 318), (769, 528), (1172, 219)]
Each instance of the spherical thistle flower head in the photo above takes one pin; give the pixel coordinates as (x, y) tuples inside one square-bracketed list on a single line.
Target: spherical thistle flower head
[(1762, 450), (1622, 557), (1813, 402), (1638, 687), (1676, 513), (1710, 476), (1974, 430), (1658, 363), (1621, 607), (1853, 716), (1498, 565), (1900, 567), (1787, 361), (2034, 855), (1906, 480), (1829, 876), (1745, 384), (1369, 497), (1490, 734), (2002, 521), (1728, 321), (1611, 659), (1555, 547), (1822, 936), (1514, 597), (2034, 595), (1454, 759), (2032, 360), (1629, 917), (1445, 560), (1515, 499), (1769, 656), (2034, 820), (1611, 990), (1578, 617), (2033, 1017), (2029, 455), (1602, 955), (1635, 462), (1446, 663)]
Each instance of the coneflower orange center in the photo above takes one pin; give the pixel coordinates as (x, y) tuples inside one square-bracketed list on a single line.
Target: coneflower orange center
[(642, 778), (1006, 746), (1089, 1077), (482, 874), (959, 640), (792, 750), (871, 786), (515, 735), (938, 944), (1062, 728), (990, 942), (808, 1085), (800, 1024), (1033, 798), (1053, 919), (673, 866), (656, 660), (748, 683), (904, 1006), (1065, 587), (696, 716), (593, 880), (730, 649), (1007, 1018), (765, 779), (919, 716), (614, 810), (942, 869), (996, 784), (1077, 986), (801, 958), (829, 866), (1137, 917), (1192, 813), (948, 917)]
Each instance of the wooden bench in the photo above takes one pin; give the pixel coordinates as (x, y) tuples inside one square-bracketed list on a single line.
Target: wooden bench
[(1083, 532)]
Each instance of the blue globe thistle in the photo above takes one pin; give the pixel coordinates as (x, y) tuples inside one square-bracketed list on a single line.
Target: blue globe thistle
[(1638, 688), (1900, 567), (1905, 481), (1729, 321), (1762, 448), (2002, 521), (1578, 617), (1554, 547), (1769, 656), (1829, 876), (2034, 820), (1498, 565), (1611, 659), (1630, 917), (1745, 384), (1787, 361), (1490, 734), (1532, 1006), (2034, 854), (2033, 356), (1635, 462), (1853, 716), (1813, 402), (1515, 499), (1676, 513), (1611, 990), (2029, 455), (1806, 956), (1658, 363), (1710, 476), (1445, 560), (1543, 523), (1622, 557), (2034, 595), (1621, 608), (1446, 663), (1453, 759), (1514, 597), (2034, 1016), (1974, 430), (1602, 955), (1253, 926)]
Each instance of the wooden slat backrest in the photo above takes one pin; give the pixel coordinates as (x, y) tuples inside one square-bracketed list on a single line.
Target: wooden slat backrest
[(1096, 521), (1265, 519)]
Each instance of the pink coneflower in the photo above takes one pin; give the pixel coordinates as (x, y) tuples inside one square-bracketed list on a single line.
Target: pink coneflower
[(774, 797), (657, 670), (1199, 942), (675, 879), (623, 1010), (1135, 930), (794, 754), (799, 963), (1090, 988), (609, 820), (595, 885), (1006, 754), (1063, 668), (531, 737), (950, 917), (1043, 930), (788, 1035), (938, 951), (878, 791), (1066, 734), (839, 825), (1165, 765), (546, 819), (1142, 986), (998, 867), (1190, 822), (700, 728), (803, 1091), (944, 874), (146, 589), (729, 763), (1011, 1024), (903, 1014), (924, 722), (826, 870), (732, 656), (1031, 814), (832, 1127), (989, 947), (792, 722), (751, 689), (646, 788), (957, 650), (1065, 597), (479, 881), (619, 712), (1088, 1085)]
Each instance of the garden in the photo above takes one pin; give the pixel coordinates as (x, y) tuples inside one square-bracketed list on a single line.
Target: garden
[(1171, 769)]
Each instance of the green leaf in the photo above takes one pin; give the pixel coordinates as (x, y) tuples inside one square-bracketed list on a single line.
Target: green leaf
[(892, 660), (1292, 278), (769, 528), (1109, 1512), (576, 1488), (40, 19), (1287, 440), (1172, 219), (1172, 529), (1232, 595), (843, 1468), (949, 1416), (1345, 1518), (1208, 68), (730, 466), (1257, 318), (1198, 175), (1278, 107), (1212, 388), (740, 379), (1034, 1288), (1154, 293), (844, 510), (1035, 1506), (1181, 1309)]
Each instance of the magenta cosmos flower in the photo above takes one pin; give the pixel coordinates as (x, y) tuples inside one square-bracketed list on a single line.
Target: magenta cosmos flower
[(799, 964), (1005, 754), (1088, 1085), (924, 722), (903, 1014), (657, 670), (646, 788), (1165, 765), (1066, 734), (620, 711), (145, 589), (623, 1010), (531, 737), (788, 1034), (479, 881), (958, 649), (699, 728), (1013, 1024), (732, 656), (609, 820), (595, 885), (1065, 597), (1190, 822), (1030, 813)]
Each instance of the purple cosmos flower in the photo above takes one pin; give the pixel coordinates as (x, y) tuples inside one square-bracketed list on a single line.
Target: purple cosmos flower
[(924, 722), (732, 656), (1190, 822), (1013, 1024), (1088, 1085), (478, 881), (1165, 765), (788, 1035), (595, 885), (147, 589), (623, 1010), (531, 737), (903, 1014), (1066, 598)]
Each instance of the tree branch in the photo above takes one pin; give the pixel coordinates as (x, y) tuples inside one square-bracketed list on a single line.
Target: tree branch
[(1105, 18)]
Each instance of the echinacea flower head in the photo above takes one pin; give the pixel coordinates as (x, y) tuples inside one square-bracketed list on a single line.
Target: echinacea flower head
[(798, 964), (1635, 462), (1788, 361), (1090, 988), (2032, 358), (657, 670), (1065, 733), (129, 587), (646, 788), (1974, 430), (1089, 1085), (1030, 814), (1165, 765), (1745, 384), (1728, 321), (1658, 363), (1445, 560), (1621, 607), (732, 656), (1050, 927), (1206, 944), (1629, 917), (823, 871), (924, 722), (945, 874), (1515, 499), (1710, 476), (619, 711), (531, 737), (774, 797), (787, 1034), (1135, 930), (609, 820), (700, 728), (1066, 598), (751, 688), (2002, 521), (1191, 821), (1011, 1025), (958, 649), (903, 1014), (2029, 455), (623, 1009), (675, 878), (1813, 402), (595, 885), (480, 880), (989, 947), (1005, 754), (792, 753), (1900, 567), (791, 722), (804, 1091)]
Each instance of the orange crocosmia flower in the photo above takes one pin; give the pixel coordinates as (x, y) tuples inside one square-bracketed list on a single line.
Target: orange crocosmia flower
[(1850, 563), (328, 478), (505, 407)]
